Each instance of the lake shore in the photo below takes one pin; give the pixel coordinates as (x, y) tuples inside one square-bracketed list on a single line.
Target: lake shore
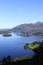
[(26, 60), (32, 46)]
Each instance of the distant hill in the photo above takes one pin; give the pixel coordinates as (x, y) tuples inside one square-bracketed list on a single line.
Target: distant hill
[(3, 31), (32, 27), (27, 28)]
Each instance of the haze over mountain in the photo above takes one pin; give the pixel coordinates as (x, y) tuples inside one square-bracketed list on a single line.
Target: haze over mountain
[(28, 27)]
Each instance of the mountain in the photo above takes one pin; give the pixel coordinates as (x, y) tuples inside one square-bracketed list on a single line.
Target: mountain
[(32, 27), (25, 28)]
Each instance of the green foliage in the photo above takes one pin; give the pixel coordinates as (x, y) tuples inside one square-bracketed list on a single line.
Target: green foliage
[(32, 46), (22, 58)]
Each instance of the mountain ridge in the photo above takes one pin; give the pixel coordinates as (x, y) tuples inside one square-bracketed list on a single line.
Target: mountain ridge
[(28, 27)]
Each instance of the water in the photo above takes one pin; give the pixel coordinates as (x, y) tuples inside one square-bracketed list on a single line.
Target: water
[(14, 45)]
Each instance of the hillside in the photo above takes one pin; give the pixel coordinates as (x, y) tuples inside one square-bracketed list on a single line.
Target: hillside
[(36, 27), (31, 28)]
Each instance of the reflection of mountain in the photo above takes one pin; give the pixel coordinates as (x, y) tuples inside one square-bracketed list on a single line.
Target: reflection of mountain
[(29, 27)]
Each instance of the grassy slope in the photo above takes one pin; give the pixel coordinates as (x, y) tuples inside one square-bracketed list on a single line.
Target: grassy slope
[(32, 46)]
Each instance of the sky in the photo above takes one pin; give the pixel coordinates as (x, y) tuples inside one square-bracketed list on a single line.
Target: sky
[(16, 12)]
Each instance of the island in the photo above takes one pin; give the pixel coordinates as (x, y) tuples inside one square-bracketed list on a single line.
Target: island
[(7, 35)]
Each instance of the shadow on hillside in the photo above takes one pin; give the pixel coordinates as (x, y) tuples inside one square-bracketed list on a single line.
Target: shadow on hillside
[(36, 60)]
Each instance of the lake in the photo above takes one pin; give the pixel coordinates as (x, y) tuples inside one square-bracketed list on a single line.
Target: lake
[(14, 45)]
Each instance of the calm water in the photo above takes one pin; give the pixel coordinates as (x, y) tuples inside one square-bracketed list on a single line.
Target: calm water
[(14, 45)]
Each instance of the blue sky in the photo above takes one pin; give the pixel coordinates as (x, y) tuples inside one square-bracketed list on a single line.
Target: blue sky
[(15, 12)]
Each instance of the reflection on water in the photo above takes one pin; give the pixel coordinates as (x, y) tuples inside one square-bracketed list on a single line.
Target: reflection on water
[(14, 45)]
